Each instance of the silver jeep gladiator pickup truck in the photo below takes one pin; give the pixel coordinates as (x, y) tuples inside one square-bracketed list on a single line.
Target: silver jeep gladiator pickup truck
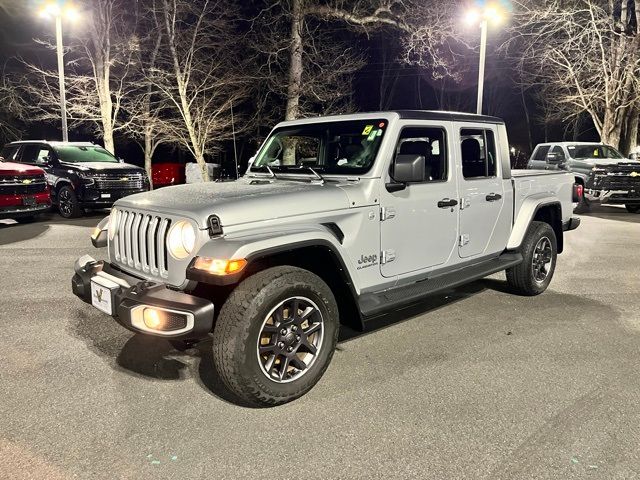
[(339, 218)]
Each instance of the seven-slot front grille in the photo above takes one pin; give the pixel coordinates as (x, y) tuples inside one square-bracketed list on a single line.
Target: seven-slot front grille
[(22, 184), (122, 181), (140, 242)]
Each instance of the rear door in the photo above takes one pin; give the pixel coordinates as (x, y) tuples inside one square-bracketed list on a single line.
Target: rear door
[(419, 225), (481, 188)]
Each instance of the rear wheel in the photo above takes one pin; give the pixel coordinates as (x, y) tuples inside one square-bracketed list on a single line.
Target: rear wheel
[(539, 250), (275, 335), (631, 208), (68, 204)]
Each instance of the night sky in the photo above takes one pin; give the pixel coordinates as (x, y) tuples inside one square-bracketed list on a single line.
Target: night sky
[(414, 89)]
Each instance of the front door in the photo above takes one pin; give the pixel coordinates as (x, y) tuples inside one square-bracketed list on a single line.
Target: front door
[(419, 224), (481, 190)]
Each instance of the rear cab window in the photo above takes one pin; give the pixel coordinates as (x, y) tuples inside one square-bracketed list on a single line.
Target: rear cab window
[(540, 153), (478, 153)]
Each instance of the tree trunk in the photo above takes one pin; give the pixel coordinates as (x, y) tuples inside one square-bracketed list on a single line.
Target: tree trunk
[(148, 153), (612, 124), (295, 61), (629, 141), (526, 117)]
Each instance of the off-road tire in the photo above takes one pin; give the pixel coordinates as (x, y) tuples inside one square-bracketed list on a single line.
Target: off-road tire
[(69, 196), (239, 325), (632, 208), (521, 277)]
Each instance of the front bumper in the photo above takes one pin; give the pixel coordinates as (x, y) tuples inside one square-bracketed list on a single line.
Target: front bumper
[(132, 295), (24, 211)]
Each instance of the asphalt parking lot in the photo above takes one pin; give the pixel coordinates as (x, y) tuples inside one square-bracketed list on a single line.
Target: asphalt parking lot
[(475, 383)]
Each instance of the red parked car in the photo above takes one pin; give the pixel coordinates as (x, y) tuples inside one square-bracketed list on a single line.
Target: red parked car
[(166, 174), (24, 192)]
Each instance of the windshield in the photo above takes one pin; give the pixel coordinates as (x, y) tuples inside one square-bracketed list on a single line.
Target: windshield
[(593, 151), (343, 147), (76, 154)]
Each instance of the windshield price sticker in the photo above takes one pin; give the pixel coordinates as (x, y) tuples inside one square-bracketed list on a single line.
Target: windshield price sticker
[(367, 130)]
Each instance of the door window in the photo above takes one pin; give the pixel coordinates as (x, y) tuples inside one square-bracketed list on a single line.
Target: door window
[(478, 148), (559, 152), (429, 143), (30, 154), (10, 153)]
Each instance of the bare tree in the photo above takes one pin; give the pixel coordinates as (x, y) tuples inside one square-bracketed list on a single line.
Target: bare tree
[(98, 64), (583, 56), (199, 73), (301, 42)]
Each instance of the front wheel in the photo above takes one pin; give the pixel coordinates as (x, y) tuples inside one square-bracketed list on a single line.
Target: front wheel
[(275, 335), (540, 251), (632, 208), (68, 204)]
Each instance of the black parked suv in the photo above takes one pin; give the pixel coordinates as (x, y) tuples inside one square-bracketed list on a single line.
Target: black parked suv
[(81, 175)]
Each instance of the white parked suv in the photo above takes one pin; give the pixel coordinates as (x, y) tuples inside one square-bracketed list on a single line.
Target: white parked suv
[(338, 219)]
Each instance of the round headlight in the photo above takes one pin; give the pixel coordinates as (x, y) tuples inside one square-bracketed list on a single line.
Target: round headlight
[(181, 239), (113, 223)]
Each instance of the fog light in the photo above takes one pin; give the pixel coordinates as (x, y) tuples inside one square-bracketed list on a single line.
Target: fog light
[(152, 318)]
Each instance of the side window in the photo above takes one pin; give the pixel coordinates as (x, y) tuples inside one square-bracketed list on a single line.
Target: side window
[(478, 148), (43, 156), (559, 152), (430, 143), (540, 154), (10, 153), (30, 154)]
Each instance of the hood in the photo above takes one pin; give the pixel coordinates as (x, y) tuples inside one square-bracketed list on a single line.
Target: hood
[(101, 166), (242, 201), (8, 168)]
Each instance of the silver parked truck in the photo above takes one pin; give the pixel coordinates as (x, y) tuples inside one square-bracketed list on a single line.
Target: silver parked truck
[(339, 219)]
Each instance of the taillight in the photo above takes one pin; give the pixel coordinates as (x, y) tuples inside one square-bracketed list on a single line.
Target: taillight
[(578, 192)]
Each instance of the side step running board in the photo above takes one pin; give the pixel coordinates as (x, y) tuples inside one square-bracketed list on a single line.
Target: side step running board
[(374, 303)]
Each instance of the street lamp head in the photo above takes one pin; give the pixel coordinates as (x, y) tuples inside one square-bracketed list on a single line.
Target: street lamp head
[(472, 17), (65, 10), (493, 14), (50, 10), (489, 13)]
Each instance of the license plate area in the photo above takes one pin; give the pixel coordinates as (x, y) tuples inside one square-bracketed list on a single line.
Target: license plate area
[(103, 293), (29, 201)]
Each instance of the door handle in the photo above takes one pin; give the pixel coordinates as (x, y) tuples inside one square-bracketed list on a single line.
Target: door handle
[(493, 197), (447, 203)]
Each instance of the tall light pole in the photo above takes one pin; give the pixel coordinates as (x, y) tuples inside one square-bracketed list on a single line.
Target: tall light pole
[(484, 16), (57, 11)]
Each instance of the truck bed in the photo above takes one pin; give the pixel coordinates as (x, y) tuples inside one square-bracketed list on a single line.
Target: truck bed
[(540, 184)]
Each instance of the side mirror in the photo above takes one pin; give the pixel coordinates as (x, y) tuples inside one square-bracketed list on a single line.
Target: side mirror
[(121, 160), (553, 159), (408, 168)]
